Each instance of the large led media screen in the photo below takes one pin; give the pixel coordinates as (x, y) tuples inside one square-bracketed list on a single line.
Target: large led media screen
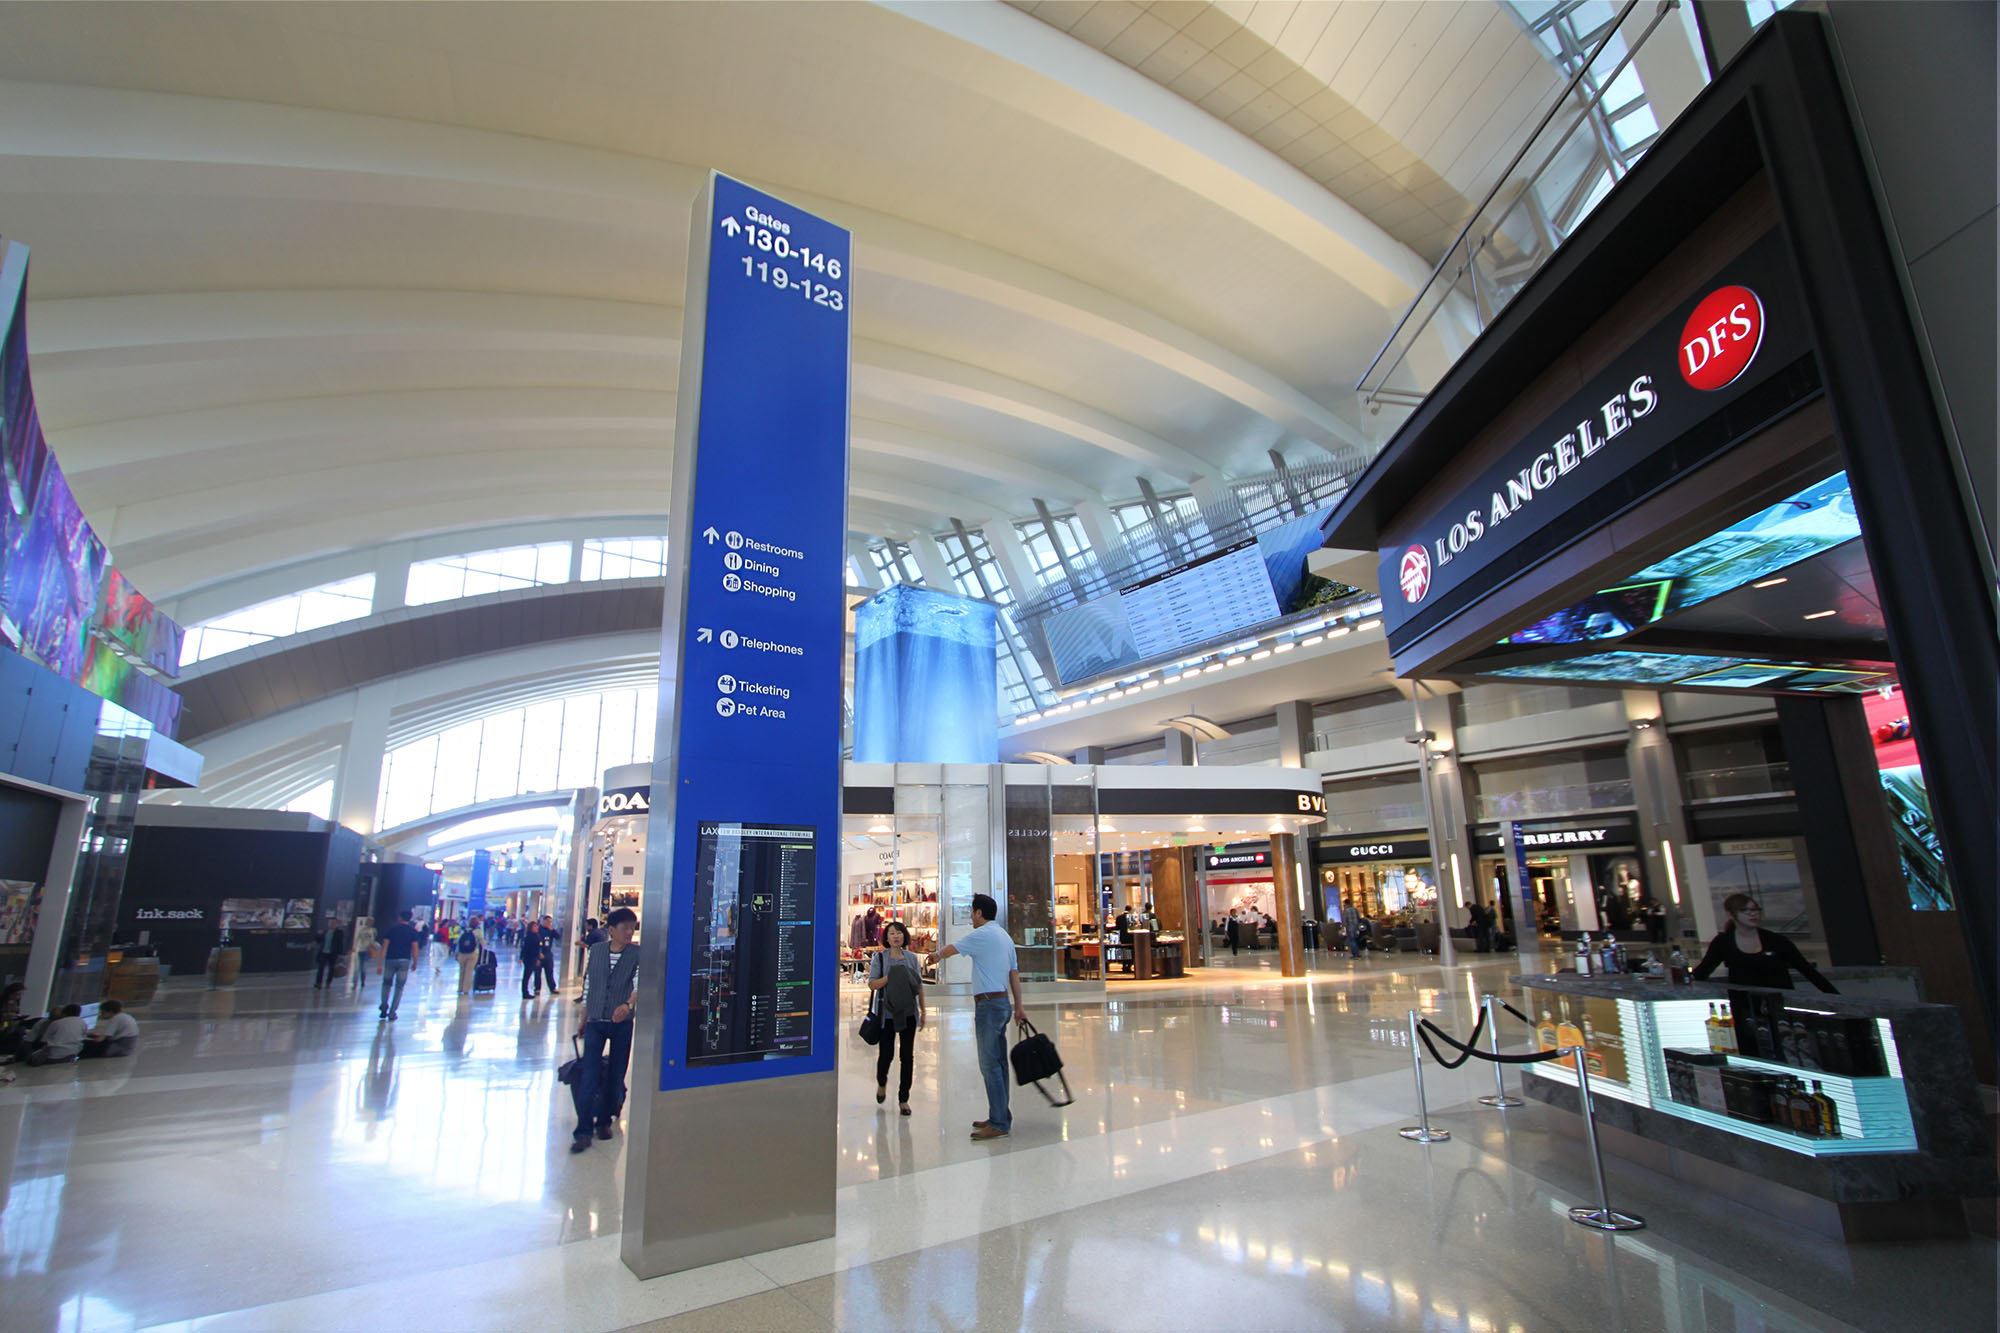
[(1232, 592), (61, 602)]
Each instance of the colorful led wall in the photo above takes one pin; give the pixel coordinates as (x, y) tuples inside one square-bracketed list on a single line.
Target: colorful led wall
[(61, 602)]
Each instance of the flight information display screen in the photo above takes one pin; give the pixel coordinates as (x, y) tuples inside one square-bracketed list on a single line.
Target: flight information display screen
[(1232, 591), (750, 984)]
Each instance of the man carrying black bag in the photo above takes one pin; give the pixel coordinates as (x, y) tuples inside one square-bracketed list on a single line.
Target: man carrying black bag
[(610, 986), (996, 997)]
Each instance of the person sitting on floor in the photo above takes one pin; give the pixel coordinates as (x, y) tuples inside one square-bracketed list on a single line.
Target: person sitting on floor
[(57, 1038), (116, 1034)]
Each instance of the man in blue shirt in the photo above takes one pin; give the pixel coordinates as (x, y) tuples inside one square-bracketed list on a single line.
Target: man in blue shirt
[(995, 979)]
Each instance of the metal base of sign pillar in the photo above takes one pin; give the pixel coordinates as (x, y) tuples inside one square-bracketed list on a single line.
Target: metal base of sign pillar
[(1421, 1132), (1499, 1097), (1603, 1217)]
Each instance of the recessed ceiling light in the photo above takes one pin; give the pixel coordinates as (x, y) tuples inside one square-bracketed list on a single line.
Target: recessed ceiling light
[(1821, 615), (1260, 654), (1237, 660), (1284, 648), (1213, 666), (1768, 583), (1317, 638)]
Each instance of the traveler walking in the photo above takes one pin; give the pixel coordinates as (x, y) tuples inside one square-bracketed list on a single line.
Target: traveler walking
[(610, 992), (551, 950), (996, 977), (897, 980), (332, 948), (1351, 920), (592, 934), (364, 949), (530, 953), (468, 948), (399, 954)]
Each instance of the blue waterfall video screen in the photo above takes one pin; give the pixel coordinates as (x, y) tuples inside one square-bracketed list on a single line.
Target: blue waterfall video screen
[(926, 683)]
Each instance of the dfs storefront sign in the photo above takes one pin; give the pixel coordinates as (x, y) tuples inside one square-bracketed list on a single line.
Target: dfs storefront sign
[(1675, 376)]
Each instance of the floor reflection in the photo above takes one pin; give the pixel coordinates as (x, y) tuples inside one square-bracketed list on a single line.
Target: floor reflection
[(1231, 1160)]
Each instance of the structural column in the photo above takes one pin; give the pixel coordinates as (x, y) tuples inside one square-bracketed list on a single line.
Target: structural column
[(1295, 719), (1676, 870), (1286, 881), (864, 564), (392, 577), (357, 785), (1445, 814), (931, 562)]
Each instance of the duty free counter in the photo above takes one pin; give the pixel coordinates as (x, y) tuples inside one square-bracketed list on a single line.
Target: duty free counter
[(1145, 958), (1912, 1145)]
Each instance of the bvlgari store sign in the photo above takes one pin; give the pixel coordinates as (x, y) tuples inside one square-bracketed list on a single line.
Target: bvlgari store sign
[(1743, 326)]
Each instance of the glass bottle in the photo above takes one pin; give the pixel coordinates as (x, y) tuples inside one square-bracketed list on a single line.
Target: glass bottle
[(1827, 1112), (1545, 1032), (1725, 1029), (1583, 954), (1593, 1059), (1677, 967), (1567, 1032)]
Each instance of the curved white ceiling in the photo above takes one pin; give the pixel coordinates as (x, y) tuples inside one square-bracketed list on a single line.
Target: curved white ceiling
[(314, 276)]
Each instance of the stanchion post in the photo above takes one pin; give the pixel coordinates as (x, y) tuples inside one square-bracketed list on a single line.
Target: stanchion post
[(1421, 1132), (1500, 1097), (1603, 1217)]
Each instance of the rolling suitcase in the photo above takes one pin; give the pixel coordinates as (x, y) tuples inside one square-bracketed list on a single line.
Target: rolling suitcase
[(487, 974)]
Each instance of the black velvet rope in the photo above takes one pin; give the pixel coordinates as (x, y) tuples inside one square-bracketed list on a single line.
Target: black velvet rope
[(1470, 1051), (1477, 1028), (1517, 1013)]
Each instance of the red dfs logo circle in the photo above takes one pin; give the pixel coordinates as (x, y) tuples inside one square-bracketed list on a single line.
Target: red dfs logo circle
[(1721, 338), (1415, 575)]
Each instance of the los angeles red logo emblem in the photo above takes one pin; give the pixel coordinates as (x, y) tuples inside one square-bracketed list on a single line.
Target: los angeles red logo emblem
[(1415, 574), (1721, 338)]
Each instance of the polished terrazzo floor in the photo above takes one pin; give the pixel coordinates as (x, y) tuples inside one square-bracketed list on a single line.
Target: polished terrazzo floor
[(274, 1158)]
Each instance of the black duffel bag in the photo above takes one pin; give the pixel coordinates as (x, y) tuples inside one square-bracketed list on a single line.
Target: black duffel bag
[(1035, 1058)]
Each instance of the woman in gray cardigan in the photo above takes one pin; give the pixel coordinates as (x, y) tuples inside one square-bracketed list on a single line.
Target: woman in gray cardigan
[(897, 978)]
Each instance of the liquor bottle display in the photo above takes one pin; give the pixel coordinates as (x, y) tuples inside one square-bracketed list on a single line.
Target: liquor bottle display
[(1568, 1034), (1721, 1031), (1828, 1114), (1593, 1058)]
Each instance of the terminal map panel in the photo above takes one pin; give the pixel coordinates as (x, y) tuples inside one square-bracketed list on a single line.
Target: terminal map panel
[(751, 955)]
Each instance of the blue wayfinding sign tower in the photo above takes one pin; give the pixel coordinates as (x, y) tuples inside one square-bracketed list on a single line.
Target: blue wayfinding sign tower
[(749, 755), (735, 1095)]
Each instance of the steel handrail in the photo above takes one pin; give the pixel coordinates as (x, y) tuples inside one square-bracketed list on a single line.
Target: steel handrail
[(1506, 174)]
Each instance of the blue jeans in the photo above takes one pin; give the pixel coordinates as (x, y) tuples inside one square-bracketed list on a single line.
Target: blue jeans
[(599, 1091), (989, 1028), (396, 972)]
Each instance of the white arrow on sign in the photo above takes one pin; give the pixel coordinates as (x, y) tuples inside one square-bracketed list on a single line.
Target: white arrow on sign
[(710, 533), (731, 225), (703, 635)]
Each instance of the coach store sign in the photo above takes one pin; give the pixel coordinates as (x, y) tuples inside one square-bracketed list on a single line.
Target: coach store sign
[(624, 801), (1745, 325)]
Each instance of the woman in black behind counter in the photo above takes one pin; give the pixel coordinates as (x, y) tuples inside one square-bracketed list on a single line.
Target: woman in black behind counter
[(1754, 956)]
